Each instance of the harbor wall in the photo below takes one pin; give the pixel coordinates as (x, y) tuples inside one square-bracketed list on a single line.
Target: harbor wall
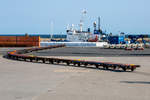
[(75, 44)]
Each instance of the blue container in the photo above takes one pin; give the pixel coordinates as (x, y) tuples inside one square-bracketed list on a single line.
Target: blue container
[(116, 39)]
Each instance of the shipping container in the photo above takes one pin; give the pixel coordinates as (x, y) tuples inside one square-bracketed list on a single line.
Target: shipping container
[(21, 41)]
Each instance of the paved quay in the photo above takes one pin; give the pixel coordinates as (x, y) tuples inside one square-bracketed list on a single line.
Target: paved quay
[(35, 81), (92, 52)]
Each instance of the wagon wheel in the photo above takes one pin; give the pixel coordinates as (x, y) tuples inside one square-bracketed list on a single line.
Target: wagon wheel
[(30, 59), (85, 65), (36, 60), (24, 59), (43, 60), (79, 64), (74, 64), (124, 69), (105, 67), (68, 63), (97, 66), (51, 62), (58, 61), (133, 68), (114, 68)]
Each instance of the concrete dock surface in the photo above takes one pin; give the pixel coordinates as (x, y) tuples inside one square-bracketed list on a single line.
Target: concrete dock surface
[(36, 81), (92, 52)]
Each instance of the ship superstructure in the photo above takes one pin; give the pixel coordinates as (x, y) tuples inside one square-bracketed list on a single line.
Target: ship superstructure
[(74, 35), (78, 35)]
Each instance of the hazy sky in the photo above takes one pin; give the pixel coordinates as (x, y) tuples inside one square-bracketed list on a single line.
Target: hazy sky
[(29, 16)]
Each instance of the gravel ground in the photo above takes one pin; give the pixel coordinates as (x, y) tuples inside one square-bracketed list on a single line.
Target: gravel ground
[(35, 81), (4, 50)]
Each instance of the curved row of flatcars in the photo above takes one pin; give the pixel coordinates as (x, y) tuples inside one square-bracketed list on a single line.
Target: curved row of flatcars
[(22, 56)]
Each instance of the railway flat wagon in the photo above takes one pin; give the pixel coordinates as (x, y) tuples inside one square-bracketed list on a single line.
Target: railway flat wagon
[(22, 56)]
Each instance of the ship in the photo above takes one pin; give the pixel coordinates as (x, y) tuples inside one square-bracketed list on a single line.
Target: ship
[(80, 35)]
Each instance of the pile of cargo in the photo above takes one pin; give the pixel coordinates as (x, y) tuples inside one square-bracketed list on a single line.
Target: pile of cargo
[(125, 46), (147, 45), (19, 41)]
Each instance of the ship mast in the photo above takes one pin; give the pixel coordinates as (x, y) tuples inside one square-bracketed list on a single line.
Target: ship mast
[(99, 23), (82, 18), (52, 29)]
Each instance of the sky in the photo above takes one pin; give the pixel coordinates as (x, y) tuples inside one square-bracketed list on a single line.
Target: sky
[(53, 16)]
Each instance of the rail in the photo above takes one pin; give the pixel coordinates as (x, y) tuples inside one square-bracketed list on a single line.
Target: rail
[(21, 56)]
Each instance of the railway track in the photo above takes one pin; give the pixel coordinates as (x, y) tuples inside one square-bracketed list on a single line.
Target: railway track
[(21, 56)]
